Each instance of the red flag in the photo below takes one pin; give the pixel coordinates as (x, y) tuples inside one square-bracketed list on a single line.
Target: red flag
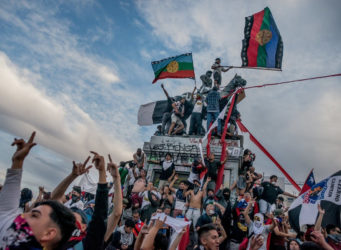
[(185, 239)]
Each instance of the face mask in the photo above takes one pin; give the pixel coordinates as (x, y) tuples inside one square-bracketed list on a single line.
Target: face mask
[(211, 197), (210, 212), (280, 206), (74, 198), (77, 236), (196, 189), (227, 196), (20, 236)]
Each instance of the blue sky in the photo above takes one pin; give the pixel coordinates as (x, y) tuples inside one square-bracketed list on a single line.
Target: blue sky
[(77, 71)]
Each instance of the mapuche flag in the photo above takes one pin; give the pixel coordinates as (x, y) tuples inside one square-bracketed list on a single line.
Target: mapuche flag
[(180, 66), (262, 44)]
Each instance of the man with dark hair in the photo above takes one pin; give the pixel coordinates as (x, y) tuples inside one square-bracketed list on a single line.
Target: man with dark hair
[(212, 102), (48, 225), (269, 195), (137, 220), (75, 200), (180, 196), (208, 238), (167, 169), (123, 238), (217, 72), (332, 229)]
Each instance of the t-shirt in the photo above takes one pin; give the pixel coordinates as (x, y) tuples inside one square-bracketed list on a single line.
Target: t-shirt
[(166, 170), (132, 177), (217, 69), (265, 235), (180, 108), (270, 192), (145, 199), (198, 106), (180, 200), (212, 169)]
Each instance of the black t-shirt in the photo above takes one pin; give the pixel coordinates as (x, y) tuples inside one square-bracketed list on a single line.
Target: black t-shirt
[(239, 228), (203, 220), (165, 174), (212, 169), (270, 192)]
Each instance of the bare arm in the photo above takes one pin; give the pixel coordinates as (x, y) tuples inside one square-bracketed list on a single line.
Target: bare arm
[(222, 231), (164, 90), (246, 212), (140, 237), (289, 194), (148, 242), (319, 219), (221, 208), (177, 239), (77, 170), (153, 161), (205, 186), (172, 183), (118, 201)]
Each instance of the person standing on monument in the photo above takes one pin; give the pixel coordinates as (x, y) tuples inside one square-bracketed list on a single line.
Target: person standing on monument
[(212, 101), (167, 169), (166, 117), (217, 69)]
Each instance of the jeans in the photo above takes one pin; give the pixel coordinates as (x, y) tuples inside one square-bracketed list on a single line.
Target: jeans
[(193, 214), (264, 206), (195, 126), (166, 119), (211, 117)]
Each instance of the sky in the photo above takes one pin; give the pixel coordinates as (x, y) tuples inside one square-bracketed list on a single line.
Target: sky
[(77, 71)]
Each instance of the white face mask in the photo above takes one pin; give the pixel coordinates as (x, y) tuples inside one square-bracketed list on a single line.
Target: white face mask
[(210, 212)]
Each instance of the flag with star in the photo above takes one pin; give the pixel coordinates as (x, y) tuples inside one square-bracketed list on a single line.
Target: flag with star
[(180, 66)]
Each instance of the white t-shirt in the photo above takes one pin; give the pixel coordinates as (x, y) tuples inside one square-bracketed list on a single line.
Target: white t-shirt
[(198, 106), (218, 69), (265, 235), (79, 204), (145, 199), (131, 176)]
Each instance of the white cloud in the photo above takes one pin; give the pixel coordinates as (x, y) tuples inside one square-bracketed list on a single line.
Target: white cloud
[(61, 126)]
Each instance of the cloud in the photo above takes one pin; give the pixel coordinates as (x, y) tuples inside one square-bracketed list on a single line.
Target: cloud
[(61, 126), (51, 45)]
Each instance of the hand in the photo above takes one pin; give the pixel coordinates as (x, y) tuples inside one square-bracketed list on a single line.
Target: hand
[(98, 161), (23, 148), (159, 223), (256, 242), (145, 228), (112, 168), (80, 168), (318, 238), (176, 177), (218, 221), (321, 211), (209, 179)]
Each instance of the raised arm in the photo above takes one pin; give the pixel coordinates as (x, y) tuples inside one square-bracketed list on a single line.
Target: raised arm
[(221, 208), (77, 170), (246, 212), (223, 235), (118, 201), (97, 228), (164, 90), (10, 193), (177, 239), (204, 188), (172, 183), (148, 241), (192, 95), (319, 219), (226, 158)]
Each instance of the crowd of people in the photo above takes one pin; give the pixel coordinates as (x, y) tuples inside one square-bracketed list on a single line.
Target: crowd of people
[(204, 104), (130, 211)]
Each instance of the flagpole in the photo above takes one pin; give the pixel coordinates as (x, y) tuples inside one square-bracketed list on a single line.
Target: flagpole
[(259, 68)]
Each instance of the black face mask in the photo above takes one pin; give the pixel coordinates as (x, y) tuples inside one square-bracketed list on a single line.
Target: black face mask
[(74, 198), (226, 196), (196, 189), (211, 197)]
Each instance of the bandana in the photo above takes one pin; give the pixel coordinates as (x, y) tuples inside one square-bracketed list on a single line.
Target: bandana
[(258, 226), (20, 236), (77, 236), (167, 164)]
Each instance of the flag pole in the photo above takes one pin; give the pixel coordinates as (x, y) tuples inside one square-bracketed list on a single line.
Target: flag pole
[(259, 68)]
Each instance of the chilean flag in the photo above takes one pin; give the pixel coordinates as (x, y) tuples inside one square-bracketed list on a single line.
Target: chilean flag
[(309, 182)]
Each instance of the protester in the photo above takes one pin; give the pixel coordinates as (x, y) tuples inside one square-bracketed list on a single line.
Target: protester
[(196, 117), (269, 195), (206, 82), (48, 225), (217, 69), (139, 158), (177, 114), (212, 102), (167, 169)]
